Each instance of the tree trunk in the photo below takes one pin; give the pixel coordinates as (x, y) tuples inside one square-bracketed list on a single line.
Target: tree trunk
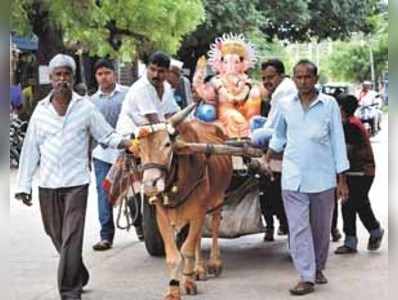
[(50, 39)]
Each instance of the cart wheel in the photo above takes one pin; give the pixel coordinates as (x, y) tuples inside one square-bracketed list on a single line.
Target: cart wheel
[(152, 238)]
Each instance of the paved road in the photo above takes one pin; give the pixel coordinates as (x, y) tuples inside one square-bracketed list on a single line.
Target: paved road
[(252, 269)]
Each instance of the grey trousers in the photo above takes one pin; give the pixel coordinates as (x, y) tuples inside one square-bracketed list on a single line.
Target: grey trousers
[(309, 216), (63, 213)]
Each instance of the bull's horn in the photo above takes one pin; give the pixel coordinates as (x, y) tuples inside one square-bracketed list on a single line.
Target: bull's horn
[(181, 115)]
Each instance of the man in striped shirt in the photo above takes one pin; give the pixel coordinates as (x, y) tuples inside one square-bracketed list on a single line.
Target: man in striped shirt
[(57, 141)]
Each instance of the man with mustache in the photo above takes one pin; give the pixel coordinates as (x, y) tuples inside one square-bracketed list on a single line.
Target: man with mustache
[(150, 99), (309, 130), (57, 141), (279, 87)]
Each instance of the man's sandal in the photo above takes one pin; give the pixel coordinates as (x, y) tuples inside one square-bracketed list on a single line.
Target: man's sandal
[(302, 288), (102, 245)]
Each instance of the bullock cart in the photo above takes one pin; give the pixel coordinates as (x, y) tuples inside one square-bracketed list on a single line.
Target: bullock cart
[(241, 212)]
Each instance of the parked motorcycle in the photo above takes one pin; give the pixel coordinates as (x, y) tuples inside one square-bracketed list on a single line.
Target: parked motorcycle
[(17, 135), (370, 115)]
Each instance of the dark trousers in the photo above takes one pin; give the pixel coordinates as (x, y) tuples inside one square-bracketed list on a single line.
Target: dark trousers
[(358, 203), (63, 213), (271, 202), (105, 209)]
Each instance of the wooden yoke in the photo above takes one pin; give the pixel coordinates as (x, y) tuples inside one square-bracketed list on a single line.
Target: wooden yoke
[(184, 148)]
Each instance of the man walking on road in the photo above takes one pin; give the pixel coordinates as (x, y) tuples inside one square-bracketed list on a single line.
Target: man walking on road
[(360, 155), (309, 128), (108, 99), (57, 141)]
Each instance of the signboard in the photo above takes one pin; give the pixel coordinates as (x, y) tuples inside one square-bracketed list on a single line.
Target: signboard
[(26, 43), (44, 75)]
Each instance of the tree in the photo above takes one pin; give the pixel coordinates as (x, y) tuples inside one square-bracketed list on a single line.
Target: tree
[(34, 17), (303, 20), (119, 28), (287, 20), (351, 61), (222, 16)]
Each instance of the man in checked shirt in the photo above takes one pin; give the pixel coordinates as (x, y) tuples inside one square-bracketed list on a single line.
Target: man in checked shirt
[(57, 141)]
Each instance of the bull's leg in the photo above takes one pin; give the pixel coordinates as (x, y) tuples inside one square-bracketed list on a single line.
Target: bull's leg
[(173, 257), (200, 267), (188, 253), (214, 265)]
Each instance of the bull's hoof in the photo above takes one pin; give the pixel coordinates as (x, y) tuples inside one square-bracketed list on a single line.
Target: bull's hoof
[(172, 297), (200, 273), (190, 287), (214, 268), (173, 293)]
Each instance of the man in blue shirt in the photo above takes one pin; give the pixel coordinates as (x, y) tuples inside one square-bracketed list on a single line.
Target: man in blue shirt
[(309, 131)]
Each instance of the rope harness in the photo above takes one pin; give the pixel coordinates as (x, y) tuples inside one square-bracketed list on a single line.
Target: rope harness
[(129, 206)]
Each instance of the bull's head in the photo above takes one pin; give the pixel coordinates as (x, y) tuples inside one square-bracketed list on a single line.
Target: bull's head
[(156, 151), (156, 157)]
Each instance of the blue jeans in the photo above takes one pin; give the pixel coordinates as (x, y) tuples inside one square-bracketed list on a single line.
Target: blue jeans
[(105, 210)]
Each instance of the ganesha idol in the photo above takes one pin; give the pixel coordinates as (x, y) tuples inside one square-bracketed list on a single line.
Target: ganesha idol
[(235, 96)]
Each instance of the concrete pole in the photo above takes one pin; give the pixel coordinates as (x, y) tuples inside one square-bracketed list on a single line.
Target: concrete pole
[(372, 67), (318, 59), (79, 52), (297, 52)]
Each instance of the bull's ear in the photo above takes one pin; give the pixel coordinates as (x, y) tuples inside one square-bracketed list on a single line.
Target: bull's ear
[(181, 148)]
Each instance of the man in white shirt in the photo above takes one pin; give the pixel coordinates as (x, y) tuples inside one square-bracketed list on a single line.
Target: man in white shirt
[(278, 87), (367, 96), (150, 99), (369, 99), (57, 142)]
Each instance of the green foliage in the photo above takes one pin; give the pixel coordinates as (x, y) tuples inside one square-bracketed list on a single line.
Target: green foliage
[(119, 28), (222, 16), (125, 28), (286, 20), (19, 19), (302, 20), (350, 61), (269, 49)]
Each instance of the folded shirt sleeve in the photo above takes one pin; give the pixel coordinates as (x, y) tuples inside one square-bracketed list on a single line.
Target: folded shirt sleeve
[(29, 159), (102, 131)]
